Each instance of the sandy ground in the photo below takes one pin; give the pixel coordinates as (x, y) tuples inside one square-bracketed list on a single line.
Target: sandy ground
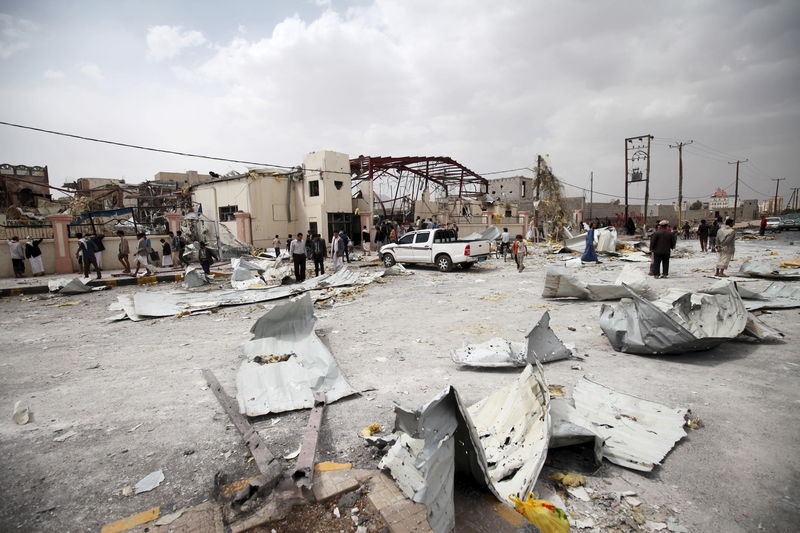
[(134, 395)]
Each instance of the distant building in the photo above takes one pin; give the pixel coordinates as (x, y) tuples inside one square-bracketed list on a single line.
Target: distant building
[(282, 202), (22, 186), (720, 200), (190, 176), (516, 189), (767, 207)]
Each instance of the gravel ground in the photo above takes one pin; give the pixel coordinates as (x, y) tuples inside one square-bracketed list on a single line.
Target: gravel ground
[(134, 396)]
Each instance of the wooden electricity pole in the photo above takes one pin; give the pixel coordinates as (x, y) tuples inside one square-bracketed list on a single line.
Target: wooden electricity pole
[(775, 204), (736, 188), (680, 146)]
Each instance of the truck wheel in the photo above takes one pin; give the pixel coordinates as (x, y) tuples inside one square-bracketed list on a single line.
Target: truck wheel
[(388, 260), (467, 266), (444, 263)]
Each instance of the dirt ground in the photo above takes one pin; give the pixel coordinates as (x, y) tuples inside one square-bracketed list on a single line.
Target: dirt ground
[(133, 393)]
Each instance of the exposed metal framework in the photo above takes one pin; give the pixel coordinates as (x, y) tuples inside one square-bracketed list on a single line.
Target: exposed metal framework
[(398, 182)]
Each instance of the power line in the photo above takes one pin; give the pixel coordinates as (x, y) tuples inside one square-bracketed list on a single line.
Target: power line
[(138, 147), (503, 171)]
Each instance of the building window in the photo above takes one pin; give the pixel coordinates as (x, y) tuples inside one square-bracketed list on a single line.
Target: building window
[(524, 188), (226, 213), (313, 188), (338, 185)]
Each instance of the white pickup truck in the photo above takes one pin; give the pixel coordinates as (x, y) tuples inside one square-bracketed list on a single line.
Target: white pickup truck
[(438, 247)]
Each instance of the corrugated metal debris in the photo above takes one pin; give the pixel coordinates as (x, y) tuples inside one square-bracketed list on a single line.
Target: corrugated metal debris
[(500, 441), (291, 382), (760, 269), (676, 323), (560, 283)]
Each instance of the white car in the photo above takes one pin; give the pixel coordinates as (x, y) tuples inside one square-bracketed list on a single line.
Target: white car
[(438, 247), (773, 223)]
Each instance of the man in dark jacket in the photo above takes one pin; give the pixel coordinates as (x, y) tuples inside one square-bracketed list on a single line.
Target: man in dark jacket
[(702, 234), (318, 251), (662, 243)]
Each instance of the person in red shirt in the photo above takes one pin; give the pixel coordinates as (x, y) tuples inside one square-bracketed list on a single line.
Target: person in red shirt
[(762, 229)]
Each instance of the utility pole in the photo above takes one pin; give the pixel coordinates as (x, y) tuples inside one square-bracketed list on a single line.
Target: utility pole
[(736, 189), (792, 203), (775, 204), (680, 146), (591, 192)]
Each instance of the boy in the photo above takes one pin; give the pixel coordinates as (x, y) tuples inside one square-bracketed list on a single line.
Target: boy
[(520, 251)]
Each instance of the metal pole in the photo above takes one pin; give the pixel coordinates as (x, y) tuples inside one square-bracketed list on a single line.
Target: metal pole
[(591, 192), (736, 188), (626, 181), (680, 146), (775, 204), (646, 187)]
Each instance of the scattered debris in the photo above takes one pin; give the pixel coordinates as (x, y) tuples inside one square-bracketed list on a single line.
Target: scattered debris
[(65, 436), (777, 295), (21, 414), (542, 345), (638, 433), (541, 513), (194, 277), (68, 286), (569, 479), (559, 283), (760, 269), (290, 384), (677, 323), (371, 429), (501, 441), (149, 482)]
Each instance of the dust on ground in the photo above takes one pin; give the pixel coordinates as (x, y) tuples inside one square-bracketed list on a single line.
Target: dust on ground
[(134, 396)]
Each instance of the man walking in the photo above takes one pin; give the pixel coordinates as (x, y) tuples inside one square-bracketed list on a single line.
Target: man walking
[(173, 243), (365, 240), (17, 256), (712, 235), (34, 255), (87, 249), (298, 252), (123, 252), (141, 258), (726, 239), (505, 241), (206, 257), (337, 247), (345, 245), (318, 251), (520, 251), (662, 243), (762, 227), (702, 235)]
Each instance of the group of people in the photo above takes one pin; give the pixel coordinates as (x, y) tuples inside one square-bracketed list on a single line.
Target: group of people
[(722, 236), (313, 247), (29, 250)]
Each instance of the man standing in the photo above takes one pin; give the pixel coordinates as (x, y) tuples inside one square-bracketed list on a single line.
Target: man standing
[(702, 234), (762, 228), (318, 251), (662, 243), (337, 248), (520, 251), (726, 238), (298, 252), (34, 255), (276, 244), (712, 234), (206, 257), (17, 256), (173, 243), (345, 245), (98, 249), (181, 247), (124, 252), (309, 247), (365, 240), (87, 249)]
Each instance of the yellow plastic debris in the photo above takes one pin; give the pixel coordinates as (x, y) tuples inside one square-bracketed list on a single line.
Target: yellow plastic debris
[(132, 521), (569, 479), (791, 263), (556, 390), (371, 429), (63, 304), (542, 514), (329, 466)]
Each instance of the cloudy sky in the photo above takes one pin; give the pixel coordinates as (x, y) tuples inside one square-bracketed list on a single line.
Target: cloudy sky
[(491, 84)]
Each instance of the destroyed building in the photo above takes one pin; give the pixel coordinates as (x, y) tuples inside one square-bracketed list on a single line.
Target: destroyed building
[(23, 186)]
